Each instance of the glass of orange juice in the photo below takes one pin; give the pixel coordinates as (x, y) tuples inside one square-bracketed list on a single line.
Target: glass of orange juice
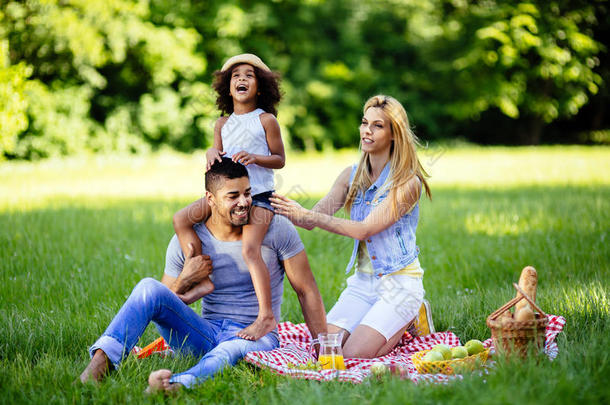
[(331, 354)]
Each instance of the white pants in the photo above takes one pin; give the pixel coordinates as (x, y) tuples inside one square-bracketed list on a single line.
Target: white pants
[(385, 304)]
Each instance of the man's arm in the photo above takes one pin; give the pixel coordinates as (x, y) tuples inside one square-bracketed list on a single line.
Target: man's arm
[(190, 296), (302, 281), (196, 268)]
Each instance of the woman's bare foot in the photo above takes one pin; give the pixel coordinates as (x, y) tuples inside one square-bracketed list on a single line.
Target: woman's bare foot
[(159, 381), (97, 368), (259, 328)]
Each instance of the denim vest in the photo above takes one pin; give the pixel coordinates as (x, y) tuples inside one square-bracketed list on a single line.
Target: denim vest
[(394, 247)]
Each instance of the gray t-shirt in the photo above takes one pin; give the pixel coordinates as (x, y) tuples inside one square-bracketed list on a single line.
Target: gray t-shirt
[(234, 296)]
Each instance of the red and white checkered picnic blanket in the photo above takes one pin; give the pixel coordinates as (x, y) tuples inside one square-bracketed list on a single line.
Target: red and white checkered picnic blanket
[(295, 341)]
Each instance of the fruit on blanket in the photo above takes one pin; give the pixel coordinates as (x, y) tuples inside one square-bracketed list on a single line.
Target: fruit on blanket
[(525, 314), (313, 365), (378, 369), (461, 368), (433, 355), (399, 370), (474, 346), (459, 352), (310, 365), (444, 350)]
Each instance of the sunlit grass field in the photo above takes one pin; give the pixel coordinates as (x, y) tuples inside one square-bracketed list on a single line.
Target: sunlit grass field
[(77, 234)]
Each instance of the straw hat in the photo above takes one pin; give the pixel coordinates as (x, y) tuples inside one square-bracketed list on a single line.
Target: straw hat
[(248, 58)]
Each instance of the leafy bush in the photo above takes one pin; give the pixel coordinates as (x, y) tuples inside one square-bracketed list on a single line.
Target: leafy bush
[(101, 77)]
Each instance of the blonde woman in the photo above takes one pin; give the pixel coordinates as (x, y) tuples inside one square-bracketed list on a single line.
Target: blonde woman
[(381, 193)]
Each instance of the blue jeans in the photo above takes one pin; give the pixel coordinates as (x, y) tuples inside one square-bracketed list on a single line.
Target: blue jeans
[(184, 330), (262, 200)]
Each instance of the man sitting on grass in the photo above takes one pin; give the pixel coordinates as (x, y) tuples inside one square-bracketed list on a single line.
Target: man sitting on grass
[(227, 309)]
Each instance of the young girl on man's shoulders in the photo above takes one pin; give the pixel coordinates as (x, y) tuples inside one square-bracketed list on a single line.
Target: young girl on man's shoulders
[(249, 92)]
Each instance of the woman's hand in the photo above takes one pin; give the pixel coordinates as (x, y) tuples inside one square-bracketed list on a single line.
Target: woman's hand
[(293, 211)]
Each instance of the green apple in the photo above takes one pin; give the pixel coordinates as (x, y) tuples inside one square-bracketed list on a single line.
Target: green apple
[(474, 346), (459, 352), (444, 350), (378, 369), (398, 370), (461, 368), (433, 355)]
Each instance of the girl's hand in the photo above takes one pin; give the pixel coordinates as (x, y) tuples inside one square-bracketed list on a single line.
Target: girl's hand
[(213, 155), (292, 210), (244, 158)]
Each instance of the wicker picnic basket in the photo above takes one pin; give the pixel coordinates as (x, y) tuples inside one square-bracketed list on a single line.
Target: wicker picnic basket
[(516, 337), (455, 366)]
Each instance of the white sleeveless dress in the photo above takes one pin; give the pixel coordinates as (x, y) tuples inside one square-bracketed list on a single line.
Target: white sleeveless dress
[(246, 132)]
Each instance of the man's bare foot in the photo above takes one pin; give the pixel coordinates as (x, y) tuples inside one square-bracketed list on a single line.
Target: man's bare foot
[(97, 368), (159, 381), (258, 328)]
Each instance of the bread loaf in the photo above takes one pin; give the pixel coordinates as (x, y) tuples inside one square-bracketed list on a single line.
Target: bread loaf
[(506, 318), (525, 314), (528, 283)]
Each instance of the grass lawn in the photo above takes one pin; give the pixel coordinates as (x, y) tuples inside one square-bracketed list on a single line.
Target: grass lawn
[(77, 234)]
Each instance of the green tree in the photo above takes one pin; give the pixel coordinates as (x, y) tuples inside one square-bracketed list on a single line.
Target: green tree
[(533, 61), (104, 77), (451, 62), (13, 104), (135, 74)]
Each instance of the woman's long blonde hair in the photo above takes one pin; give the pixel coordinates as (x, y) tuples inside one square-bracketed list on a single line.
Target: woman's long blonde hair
[(404, 163)]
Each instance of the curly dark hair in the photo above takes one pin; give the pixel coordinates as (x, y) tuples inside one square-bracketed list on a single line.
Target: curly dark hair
[(268, 87)]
